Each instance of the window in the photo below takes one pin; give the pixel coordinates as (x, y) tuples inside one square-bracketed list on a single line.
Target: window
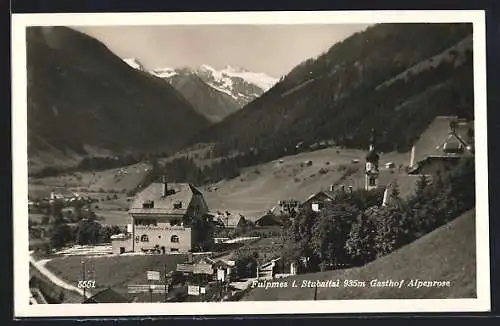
[(174, 238), (174, 249), (372, 182), (148, 204), (144, 238), (145, 222), (137, 238), (174, 222)]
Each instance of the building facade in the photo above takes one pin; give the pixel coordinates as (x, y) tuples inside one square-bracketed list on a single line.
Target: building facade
[(166, 218)]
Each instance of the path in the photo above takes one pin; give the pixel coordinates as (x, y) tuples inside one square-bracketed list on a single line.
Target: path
[(40, 266)]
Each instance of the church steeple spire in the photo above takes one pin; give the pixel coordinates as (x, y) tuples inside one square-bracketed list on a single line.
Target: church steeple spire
[(371, 169), (372, 139)]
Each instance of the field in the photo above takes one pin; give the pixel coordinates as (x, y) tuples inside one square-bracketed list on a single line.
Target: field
[(446, 254), (256, 191), (114, 271), (109, 187), (108, 181), (259, 188)]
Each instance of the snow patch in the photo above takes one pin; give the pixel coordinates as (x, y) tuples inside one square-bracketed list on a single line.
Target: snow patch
[(134, 63), (164, 72)]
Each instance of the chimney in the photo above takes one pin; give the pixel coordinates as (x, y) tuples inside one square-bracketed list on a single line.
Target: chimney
[(165, 186), (385, 201), (412, 157)]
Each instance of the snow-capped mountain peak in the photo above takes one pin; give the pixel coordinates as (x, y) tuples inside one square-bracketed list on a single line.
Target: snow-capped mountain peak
[(237, 83), (134, 63), (229, 76)]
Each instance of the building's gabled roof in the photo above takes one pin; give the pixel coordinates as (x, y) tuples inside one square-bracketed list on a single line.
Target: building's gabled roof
[(107, 296), (433, 140), (326, 193), (164, 205), (230, 221), (273, 219)]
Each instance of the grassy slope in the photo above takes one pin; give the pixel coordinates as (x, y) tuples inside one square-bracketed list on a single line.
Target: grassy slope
[(447, 253), (116, 271), (259, 188)]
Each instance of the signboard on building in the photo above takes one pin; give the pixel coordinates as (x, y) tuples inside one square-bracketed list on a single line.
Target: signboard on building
[(193, 290), (203, 269), (159, 228), (153, 275), (186, 268)]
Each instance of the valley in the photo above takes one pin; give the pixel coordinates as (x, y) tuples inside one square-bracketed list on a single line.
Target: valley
[(348, 167)]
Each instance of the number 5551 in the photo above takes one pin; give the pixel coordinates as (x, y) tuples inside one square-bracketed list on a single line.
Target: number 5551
[(90, 284)]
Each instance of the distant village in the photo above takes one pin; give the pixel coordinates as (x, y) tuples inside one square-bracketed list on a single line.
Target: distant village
[(223, 251)]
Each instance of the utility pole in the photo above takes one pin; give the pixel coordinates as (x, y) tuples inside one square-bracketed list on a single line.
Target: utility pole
[(166, 288), (83, 279)]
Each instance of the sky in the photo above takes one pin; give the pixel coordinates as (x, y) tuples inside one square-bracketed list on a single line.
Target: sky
[(271, 49)]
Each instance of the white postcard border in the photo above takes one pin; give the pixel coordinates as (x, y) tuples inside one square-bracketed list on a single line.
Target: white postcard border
[(20, 166)]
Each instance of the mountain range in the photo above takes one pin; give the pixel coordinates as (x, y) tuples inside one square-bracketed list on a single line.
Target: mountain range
[(213, 93), (83, 99), (395, 78)]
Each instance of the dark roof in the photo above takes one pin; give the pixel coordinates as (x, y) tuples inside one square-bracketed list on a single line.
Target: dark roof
[(164, 205), (437, 134), (271, 218), (107, 296), (416, 169)]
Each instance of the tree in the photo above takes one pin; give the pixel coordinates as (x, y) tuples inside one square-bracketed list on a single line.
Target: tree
[(245, 266), (88, 232), (330, 233), (60, 235), (61, 296), (45, 220), (389, 231), (421, 186), (360, 245)]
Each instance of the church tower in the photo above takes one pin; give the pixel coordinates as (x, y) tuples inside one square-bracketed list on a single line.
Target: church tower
[(371, 169)]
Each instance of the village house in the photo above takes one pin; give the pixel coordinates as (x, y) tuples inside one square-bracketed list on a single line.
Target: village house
[(316, 202), (269, 219), (166, 218), (229, 220), (206, 269)]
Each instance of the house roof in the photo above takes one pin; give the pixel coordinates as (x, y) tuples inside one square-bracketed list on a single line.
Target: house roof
[(432, 141), (326, 193), (270, 217), (229, 221), (107, 296), (164, 205)]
